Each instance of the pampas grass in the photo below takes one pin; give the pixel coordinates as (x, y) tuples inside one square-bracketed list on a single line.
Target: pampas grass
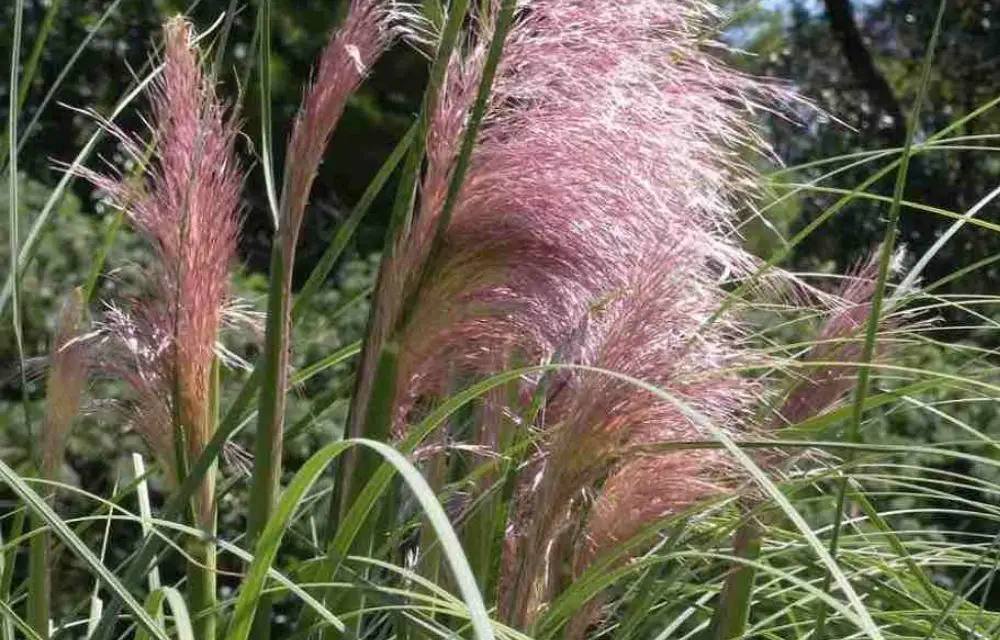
[(628, 423)]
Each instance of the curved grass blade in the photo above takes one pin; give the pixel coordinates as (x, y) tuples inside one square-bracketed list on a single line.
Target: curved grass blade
[(10, 616), (37, 505), (267, 545), (874, 317), (264, 86), (182, 620)]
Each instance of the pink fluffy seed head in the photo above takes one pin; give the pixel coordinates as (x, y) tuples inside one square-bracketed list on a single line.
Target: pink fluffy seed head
[(594, 227), (188, 208), (66, 382), (839, 344), (344, 63)]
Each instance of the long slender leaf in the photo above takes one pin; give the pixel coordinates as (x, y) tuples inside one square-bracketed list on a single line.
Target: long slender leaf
[(267, 546), (875, 313), (37, 505)]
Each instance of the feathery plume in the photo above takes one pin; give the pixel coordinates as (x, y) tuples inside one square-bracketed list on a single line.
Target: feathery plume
[(344, 63), (64, 387), (594, 227), (821, 386), (188, 210), (164, 346), (65, 383)]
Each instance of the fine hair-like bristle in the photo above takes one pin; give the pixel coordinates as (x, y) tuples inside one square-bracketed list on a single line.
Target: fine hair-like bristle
[(188, 208), (594, 227), (345, 61)]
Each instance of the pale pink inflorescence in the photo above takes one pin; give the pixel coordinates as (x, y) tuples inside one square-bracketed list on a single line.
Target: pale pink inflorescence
[(65, 383), (595, 227), (344, 63), (188, 208), (828, 369)]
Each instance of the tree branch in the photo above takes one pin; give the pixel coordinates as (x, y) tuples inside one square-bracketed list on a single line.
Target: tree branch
[(859, 59)]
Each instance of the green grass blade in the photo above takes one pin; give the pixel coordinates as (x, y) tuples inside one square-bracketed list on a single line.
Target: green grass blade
[(9, 616), (145, 512), (269, 541), (39, 580), (333, 252), (183, 628), (37, 505), (875, 314), (267, 465), (14, 216), (10, 146), (264, 86)]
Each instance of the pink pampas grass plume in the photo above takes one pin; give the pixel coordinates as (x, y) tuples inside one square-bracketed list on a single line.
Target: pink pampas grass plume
[(610, 134), (654, 332), (65, 383), (343, 64), (595, 226), (188, 210), (820, 387), (653, 485)]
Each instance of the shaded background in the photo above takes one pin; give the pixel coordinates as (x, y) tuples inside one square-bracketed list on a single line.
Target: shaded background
[(858, 62)]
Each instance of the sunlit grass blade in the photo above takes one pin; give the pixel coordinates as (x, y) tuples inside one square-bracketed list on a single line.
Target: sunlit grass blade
[(264, 87), (145, 512), (853, 433), (181, 619), (267, 546), (37, 505)]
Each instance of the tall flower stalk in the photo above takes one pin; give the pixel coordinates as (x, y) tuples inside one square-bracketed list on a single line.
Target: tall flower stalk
[(164, 342), (64, 387), (343, 64)]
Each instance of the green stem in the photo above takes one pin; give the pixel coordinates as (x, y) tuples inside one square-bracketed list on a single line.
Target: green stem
[(202, 566), (853, 434), (270, 416), (733, 611), (39, 579), (201, 571), (7, 578), (378, 421)]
